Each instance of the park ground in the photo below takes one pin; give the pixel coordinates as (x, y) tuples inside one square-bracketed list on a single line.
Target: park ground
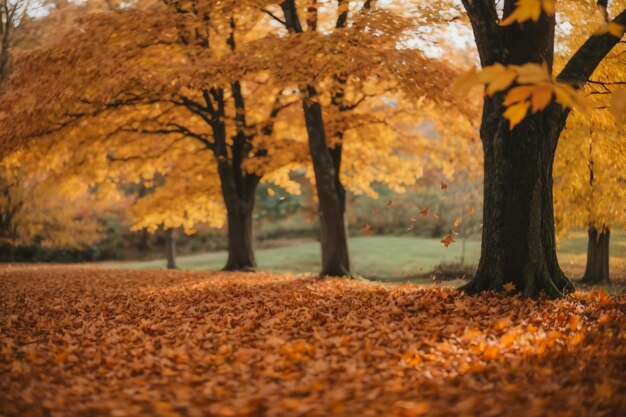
[(397, 259), (91, 341)]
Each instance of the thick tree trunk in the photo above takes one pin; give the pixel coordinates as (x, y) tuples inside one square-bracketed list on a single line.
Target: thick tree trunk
[(240, 238), (518, 244), (597, 271), (518, 241), (330, 192), (170, 248)]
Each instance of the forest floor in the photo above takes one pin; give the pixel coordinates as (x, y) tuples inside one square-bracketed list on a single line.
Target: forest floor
[(88, 341)]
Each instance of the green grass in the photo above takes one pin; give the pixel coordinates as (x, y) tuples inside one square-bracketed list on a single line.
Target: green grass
[(394, 259), (382, 257)]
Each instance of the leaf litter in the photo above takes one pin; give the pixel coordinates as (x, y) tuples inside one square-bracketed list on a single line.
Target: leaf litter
[(95, 342)]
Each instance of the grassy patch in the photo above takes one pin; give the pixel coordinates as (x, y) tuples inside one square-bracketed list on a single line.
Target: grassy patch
[(380, 257), (395, 259)]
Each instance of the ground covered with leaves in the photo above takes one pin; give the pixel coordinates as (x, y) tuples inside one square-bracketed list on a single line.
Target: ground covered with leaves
[(92, 342)]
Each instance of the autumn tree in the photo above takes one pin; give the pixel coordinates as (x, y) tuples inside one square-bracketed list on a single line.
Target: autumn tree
[(589, 185), (589, 178), (34, 213), (210, 111), (518, 244), (361, 56), (11, 13), (160, 75)]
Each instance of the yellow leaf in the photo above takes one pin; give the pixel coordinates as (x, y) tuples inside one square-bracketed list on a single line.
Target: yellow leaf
[(496, 77), (612, 28), (465, 82), (542, 95), (567, 96), (517, 94), (533, 73), (502, 82), (516, 113), (549, 6), (524, 10), (529, 10)]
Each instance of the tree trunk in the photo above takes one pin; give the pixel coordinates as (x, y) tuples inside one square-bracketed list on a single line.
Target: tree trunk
[(330, 192), (170, 248), (518, 240), (240, 238), (597, 271), (326, 164)]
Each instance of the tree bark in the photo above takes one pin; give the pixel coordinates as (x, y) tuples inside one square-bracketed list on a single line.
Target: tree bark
[(240, 238), (597, 270), (330, 191), (326, 164), (518, 240), (170, 248)]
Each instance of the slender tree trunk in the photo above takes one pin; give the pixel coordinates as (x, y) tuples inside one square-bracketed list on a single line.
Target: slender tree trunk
[(326, 164), (597, 271), (170, 248), (330, 191), (518, 240)]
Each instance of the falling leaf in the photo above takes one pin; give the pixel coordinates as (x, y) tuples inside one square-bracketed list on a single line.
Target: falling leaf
[(509, 287), (271, 192), (444, 186), (457, 222), (424, 211), (446, 241), (367, 229)]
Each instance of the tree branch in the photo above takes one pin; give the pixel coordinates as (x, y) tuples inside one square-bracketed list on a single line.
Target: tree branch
[(585, 61), (273, 16)]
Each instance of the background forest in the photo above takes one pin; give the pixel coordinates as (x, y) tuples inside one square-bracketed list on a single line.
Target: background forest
[(142, 191)]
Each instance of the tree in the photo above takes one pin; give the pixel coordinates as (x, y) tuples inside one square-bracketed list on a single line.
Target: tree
[(518, 244), (142, 75), (326, 145), (11, 13), (589, 179), (590, 189), (170, 248), (209, 110), (34, 213)]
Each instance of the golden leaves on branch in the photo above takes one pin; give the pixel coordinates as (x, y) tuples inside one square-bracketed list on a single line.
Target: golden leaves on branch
[(530, 88)]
